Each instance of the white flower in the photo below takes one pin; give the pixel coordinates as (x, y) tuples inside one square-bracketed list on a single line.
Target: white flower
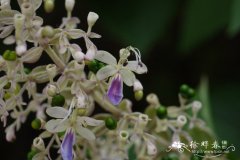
[(10, 133), (63, 122), (123, 69)]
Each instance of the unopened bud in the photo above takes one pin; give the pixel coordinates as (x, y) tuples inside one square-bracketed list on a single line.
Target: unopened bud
[(48, 31), (69, 4), (10, 133), (49, 5), (51, 90), (92, 18)]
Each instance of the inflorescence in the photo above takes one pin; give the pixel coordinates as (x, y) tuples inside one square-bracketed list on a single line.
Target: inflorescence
[(78, 78)]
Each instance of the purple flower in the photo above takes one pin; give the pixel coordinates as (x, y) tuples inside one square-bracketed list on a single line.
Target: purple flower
[(115, 90), (67, 145)]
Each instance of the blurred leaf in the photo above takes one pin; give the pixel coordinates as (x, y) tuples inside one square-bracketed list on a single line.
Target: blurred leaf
[(234, 24), (137, 23), (202, 20), (203, 94), (226, 106), (132, 153)]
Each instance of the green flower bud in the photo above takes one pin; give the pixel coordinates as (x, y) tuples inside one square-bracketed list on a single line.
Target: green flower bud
[(7, 86), (58, 100), (10, 55), (49, 5), (48, 31), (186, 91), (95, 65), (161, 112), (51, 90), (27, 70), (110, 123), (36, 124), (138, 95), (31, 154)]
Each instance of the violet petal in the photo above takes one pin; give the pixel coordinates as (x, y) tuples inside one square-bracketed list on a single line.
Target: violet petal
[(115, 90)]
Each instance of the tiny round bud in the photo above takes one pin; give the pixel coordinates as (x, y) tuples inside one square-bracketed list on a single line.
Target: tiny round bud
[(58, 100), (36, 124), (95, 65), (49, 5), (124, 135), (196, 106), (7, 86), (48, 31), (92, 18), (161, 112), (51, 90), (110, 123), (31, 154), (10, 55), (69, 4), (181, 120), (186, 91), (138, 95)]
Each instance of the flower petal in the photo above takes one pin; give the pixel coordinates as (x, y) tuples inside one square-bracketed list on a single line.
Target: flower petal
[(105, 57), (115, 90), (128, 77), (57, 112), (56, 125), (136, 67), (67, 145), (106, 72), (89, 121), (85, 133)]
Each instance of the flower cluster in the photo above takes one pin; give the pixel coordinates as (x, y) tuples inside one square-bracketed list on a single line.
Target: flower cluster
[(78, 78)]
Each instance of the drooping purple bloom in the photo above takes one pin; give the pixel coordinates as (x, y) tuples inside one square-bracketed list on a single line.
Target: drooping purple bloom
[(67, 145), (115, 90)]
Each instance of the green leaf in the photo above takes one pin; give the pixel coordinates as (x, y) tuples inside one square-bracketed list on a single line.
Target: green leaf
[(137, 23), (203, 95), (132, 153), (234, 22), (202, 20)]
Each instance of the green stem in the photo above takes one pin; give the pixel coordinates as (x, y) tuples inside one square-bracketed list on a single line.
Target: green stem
[(52, 54)]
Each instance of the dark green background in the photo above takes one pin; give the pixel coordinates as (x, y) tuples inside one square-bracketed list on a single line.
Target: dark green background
[(182, 41)]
